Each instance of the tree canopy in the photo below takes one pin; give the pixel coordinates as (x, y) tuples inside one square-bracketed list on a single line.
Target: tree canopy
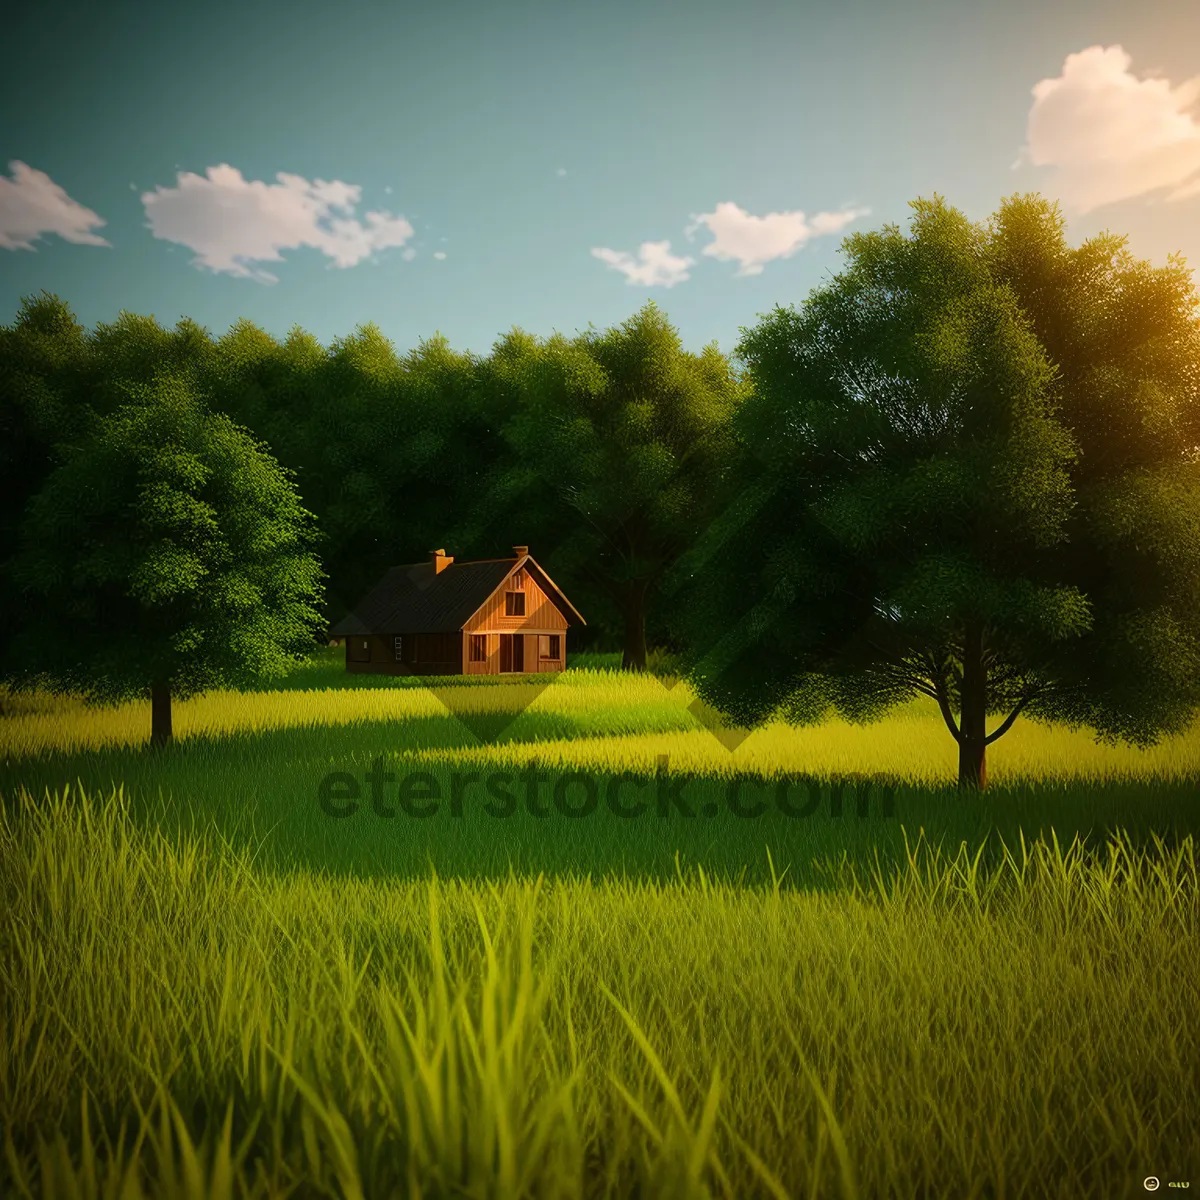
[(633, 435), (391, 451), (972, 475), (168, 554)]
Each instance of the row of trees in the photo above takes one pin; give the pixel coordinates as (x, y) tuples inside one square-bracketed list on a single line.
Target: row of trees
[(603, 452), (968, 467)]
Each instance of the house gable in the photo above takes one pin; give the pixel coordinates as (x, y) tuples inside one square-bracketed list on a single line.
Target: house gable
[(430, 598), (541, 612)]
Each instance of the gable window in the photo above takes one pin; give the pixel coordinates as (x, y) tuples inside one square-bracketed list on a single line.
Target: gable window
[(550, 646), (479, 647), (359, 648), (514, 604)]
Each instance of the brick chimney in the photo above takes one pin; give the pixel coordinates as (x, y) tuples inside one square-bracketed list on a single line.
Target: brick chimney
[(520, 551), (441, 560)]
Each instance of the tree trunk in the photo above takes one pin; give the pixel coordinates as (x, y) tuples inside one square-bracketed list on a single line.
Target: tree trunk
[(634, 657), (160, 714), (972, 743)]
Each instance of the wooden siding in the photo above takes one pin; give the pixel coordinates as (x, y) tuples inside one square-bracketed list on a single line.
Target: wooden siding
[(368, 655), (534, 663), (421, 654), (541, 616)]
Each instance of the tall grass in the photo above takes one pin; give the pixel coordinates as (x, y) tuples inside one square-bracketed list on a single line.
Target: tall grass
[(208, 987), (176, 1022)]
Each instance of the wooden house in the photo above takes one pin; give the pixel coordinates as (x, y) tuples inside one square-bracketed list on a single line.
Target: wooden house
[(495, 616)]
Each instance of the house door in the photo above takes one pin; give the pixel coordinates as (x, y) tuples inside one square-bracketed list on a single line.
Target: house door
[(512, 652)]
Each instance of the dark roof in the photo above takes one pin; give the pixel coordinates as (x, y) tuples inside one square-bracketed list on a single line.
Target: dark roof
[(413, 599)]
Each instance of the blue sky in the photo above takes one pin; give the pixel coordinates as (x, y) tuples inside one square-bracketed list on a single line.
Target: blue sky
[(464, 168)]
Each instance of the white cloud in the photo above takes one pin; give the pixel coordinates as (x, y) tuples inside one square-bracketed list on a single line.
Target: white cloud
[(232, 223), (1110, 135), (658, 266), (387, 191), (561, 172), (409, 254), (32, 204), (439, 254), (754, 241)]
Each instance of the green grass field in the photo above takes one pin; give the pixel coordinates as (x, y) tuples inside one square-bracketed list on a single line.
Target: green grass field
[(253, 764), (213, 988)]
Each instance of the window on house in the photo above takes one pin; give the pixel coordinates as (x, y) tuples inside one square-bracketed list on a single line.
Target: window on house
[(514, 604), (399, 646), (550, 646), (479, 647)]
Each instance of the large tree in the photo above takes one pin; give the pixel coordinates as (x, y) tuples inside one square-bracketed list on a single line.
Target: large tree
[(633, 435), (976, 478), (168, 554)]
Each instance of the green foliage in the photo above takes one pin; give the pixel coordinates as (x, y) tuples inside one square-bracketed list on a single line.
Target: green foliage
[(1125, 340), (136, 349), (972, 437), (45, 387), (57, 380), (633, 437), (45, 368), (389, 451), (168, 547)]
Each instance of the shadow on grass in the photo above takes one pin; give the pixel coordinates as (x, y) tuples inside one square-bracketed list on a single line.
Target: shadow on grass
[(450, 730), (265, 789)]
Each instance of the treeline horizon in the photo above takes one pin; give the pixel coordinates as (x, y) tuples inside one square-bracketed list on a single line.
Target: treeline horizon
[(394, 453), (968, 467)]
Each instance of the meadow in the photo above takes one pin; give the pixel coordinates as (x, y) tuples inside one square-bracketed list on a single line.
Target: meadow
[(213, 987), (252, 763)]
